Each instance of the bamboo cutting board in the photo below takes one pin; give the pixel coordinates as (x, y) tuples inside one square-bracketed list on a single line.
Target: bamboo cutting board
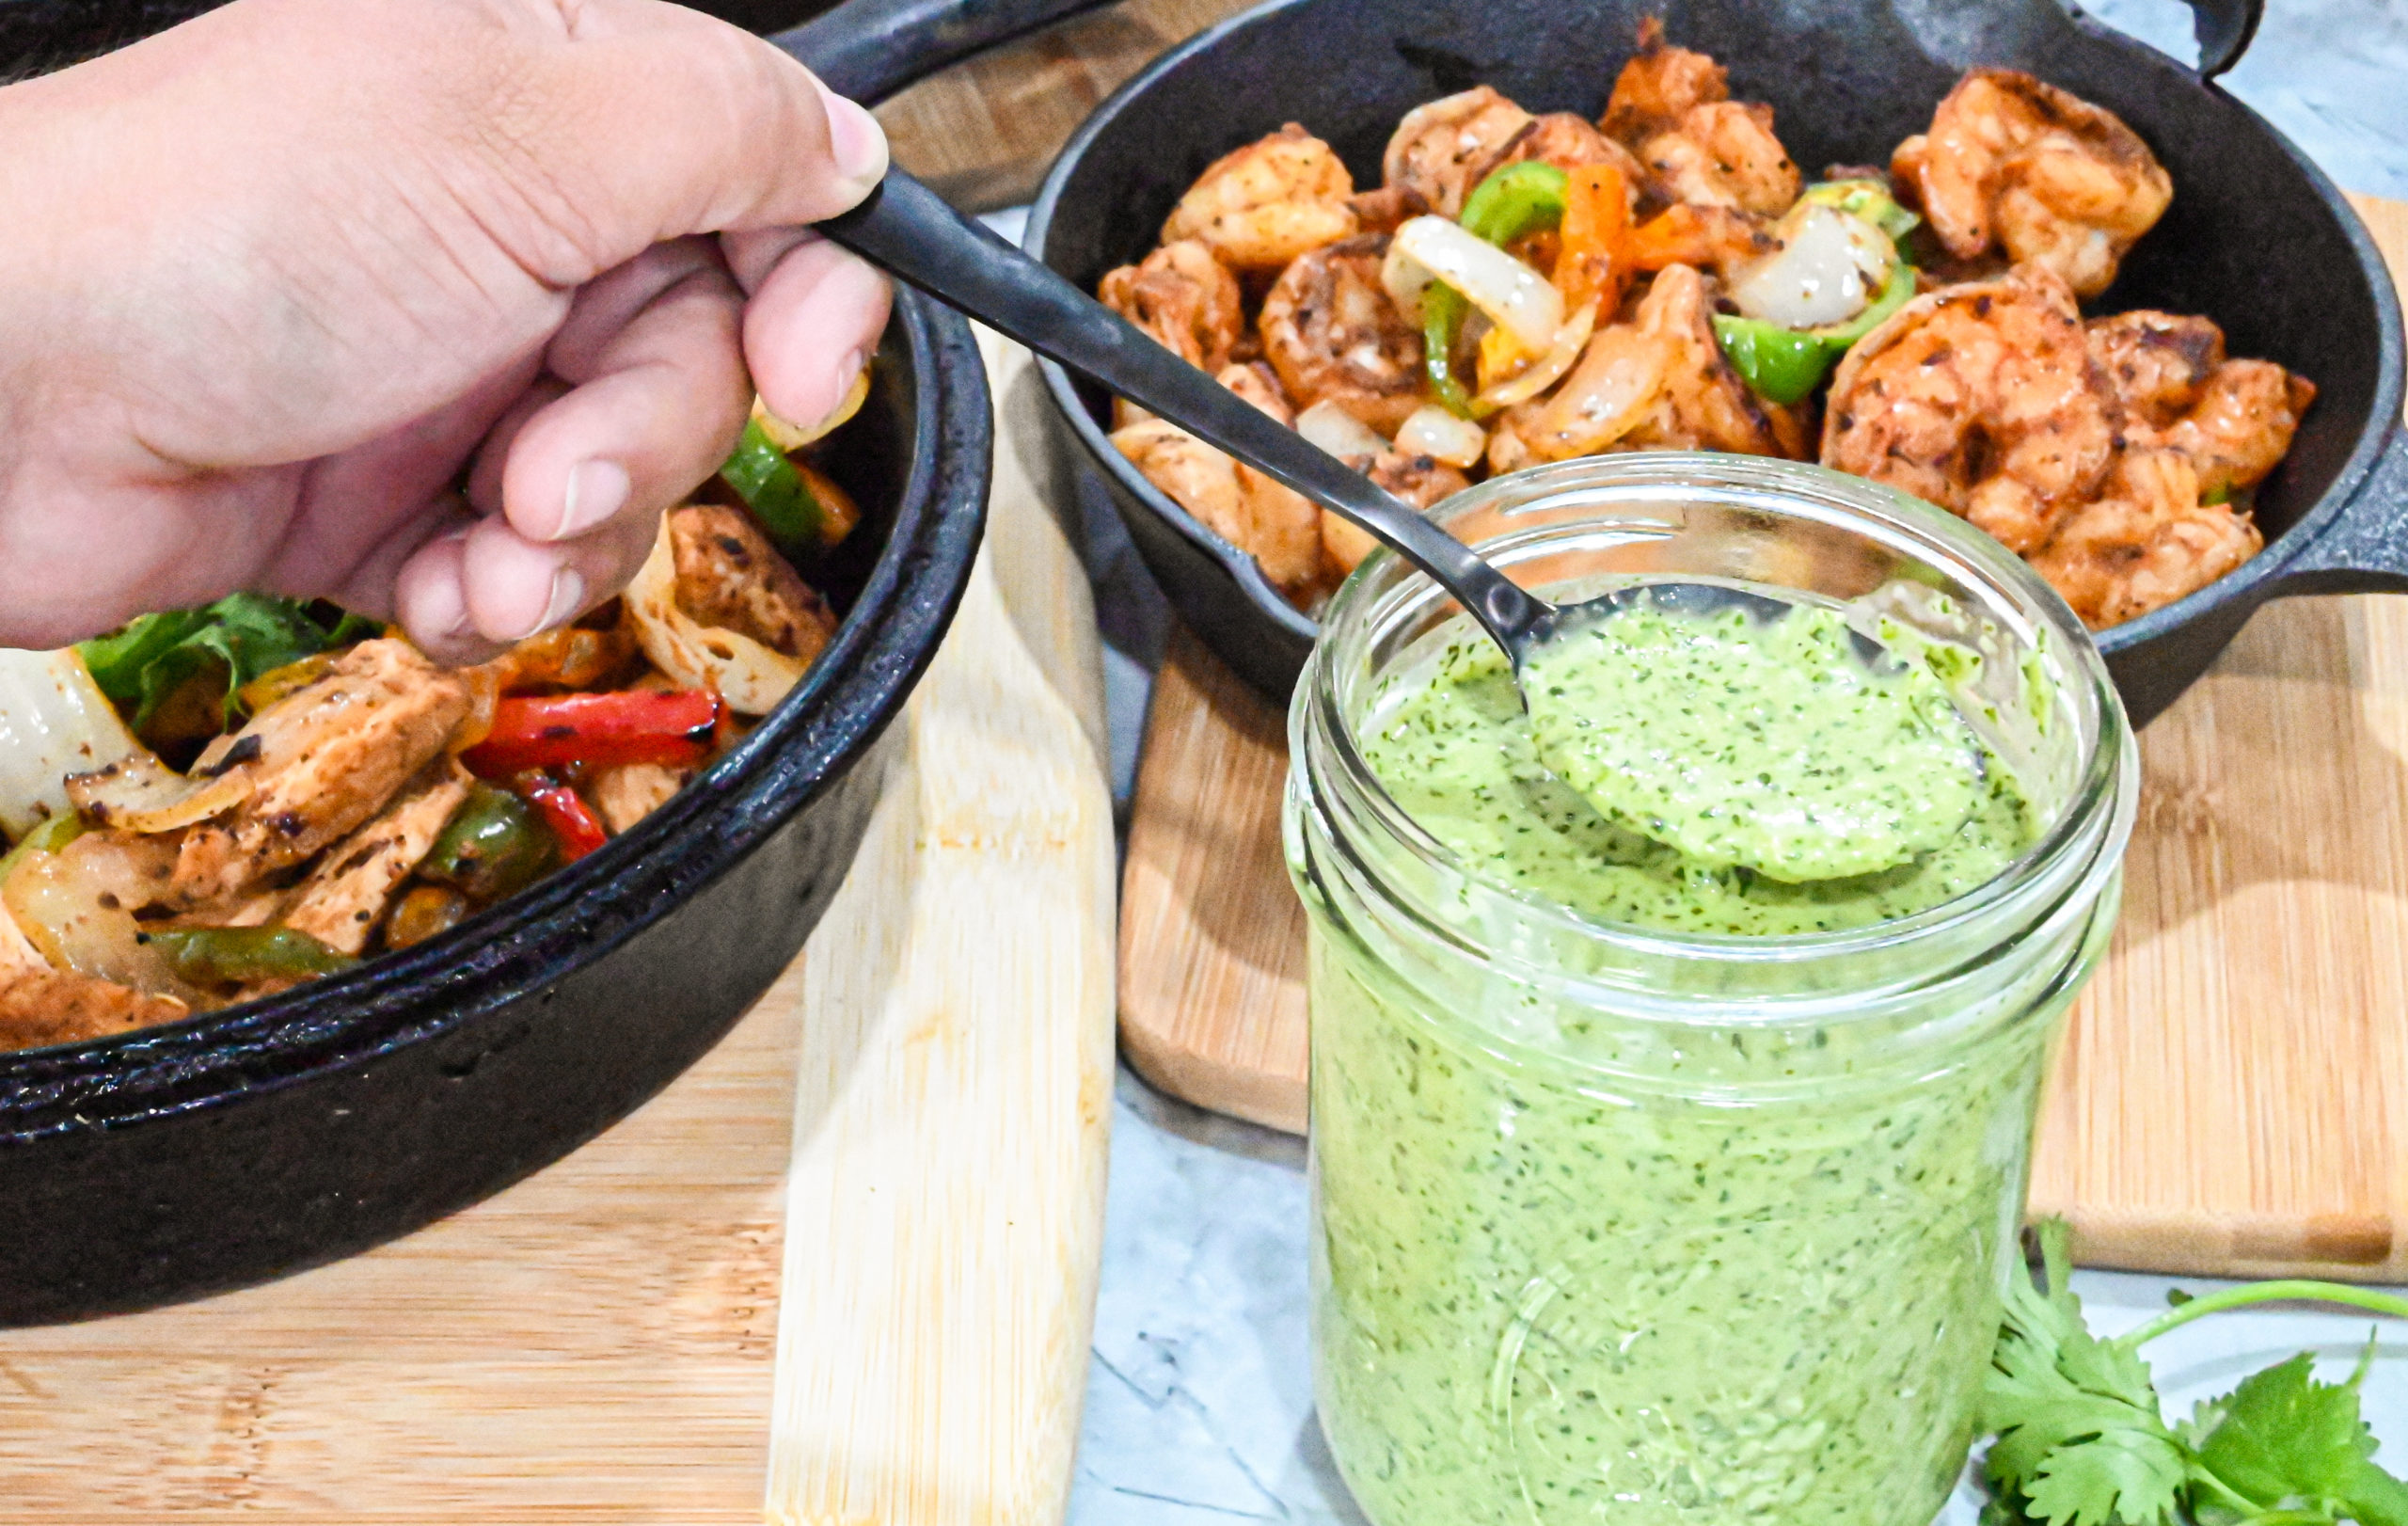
[(945, 1216), (2232, 1094), (609, 1341)]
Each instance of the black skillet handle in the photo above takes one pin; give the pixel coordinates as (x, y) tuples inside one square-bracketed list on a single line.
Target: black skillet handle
[(2223, 28), (2365, 549), (870, 49)]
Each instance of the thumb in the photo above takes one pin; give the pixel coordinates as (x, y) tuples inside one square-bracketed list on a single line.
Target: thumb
[(637, 121)]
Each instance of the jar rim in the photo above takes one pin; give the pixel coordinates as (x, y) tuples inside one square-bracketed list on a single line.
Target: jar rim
[(2098, 809)]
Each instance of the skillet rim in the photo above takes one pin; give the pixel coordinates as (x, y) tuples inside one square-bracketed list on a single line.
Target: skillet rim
[(2253, 582), (581, 915)]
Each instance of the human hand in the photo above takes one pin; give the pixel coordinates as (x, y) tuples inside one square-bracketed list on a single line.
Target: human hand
[(275, 278)]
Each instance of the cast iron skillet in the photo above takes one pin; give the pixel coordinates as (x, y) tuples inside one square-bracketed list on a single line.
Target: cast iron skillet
[(250, 1143), (2257, 239)]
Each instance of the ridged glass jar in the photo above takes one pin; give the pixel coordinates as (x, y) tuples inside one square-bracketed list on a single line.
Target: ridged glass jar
[(1615, 1225)]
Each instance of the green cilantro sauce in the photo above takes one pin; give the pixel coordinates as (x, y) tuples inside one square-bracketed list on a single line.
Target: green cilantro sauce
[(1764, 742), (1460, 758), (1695, 1289)]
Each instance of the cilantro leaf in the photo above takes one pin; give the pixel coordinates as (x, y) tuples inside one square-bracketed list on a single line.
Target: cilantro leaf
[(2129, 1477), (229, 642), (2373, 1498), (2283, 1441), (2080, 1439)]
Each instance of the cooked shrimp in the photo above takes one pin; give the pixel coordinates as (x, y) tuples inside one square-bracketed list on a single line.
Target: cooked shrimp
[(1703, 404), (2155, 362), (1419, 480), (2241, 426), (1657, 382), (1196, 477), (1981, 398), (1331, 333), (1261, 206), (1279, 525), (1724, 154), (1184, 298), (1566, 140), (2234, 419), (1441, 150), (1278, 528), (2147, 542), (1617, 384), (1386, 209), (1659, 86), (2011, 162)]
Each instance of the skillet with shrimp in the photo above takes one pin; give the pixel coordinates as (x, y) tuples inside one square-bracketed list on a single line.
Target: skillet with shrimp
[(2252, 238), (1524, 287)]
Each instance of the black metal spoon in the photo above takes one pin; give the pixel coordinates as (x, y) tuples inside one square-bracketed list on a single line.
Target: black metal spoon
[(909, 230)]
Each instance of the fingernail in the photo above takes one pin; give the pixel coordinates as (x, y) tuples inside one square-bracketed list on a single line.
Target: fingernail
[(849, 375), (597, 491), (568, 596), (855, 141)]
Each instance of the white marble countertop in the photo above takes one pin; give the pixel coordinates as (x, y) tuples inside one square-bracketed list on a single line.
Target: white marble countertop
[(1199, 1404)]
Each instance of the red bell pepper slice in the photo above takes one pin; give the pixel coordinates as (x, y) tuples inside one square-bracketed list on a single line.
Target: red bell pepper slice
[(563, 810), (637, 726)]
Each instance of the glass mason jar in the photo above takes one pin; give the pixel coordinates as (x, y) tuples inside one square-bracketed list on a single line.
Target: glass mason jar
[(1615, 1225)]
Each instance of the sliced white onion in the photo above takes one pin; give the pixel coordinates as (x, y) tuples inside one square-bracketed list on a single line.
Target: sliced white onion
[(1405, 279), (76, 908), (1338, 431), (140, 794), (1432, 431), (17, 951), (1827, 270), (54, 722), (752, 677), (1542, 373), (1514, 296)]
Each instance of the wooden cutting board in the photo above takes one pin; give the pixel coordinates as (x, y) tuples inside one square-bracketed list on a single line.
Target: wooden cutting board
[(612, 1339), (2232, 1094)]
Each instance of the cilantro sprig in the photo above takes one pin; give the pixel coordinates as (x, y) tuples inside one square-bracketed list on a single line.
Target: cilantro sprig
[(2083, 1440), (223, 646)]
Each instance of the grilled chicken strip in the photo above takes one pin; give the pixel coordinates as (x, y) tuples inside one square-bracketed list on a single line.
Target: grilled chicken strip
[(729, 576), (324, 759), (344, 897)]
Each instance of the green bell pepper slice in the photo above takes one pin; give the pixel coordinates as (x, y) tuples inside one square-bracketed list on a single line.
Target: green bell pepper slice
[(1442, 318), (1780, 365), (238, 956), (1516, 201), (1784, 365), (776, 493), (494, 846)]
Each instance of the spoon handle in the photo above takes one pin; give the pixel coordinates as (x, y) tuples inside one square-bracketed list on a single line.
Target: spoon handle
[(907, 231)]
